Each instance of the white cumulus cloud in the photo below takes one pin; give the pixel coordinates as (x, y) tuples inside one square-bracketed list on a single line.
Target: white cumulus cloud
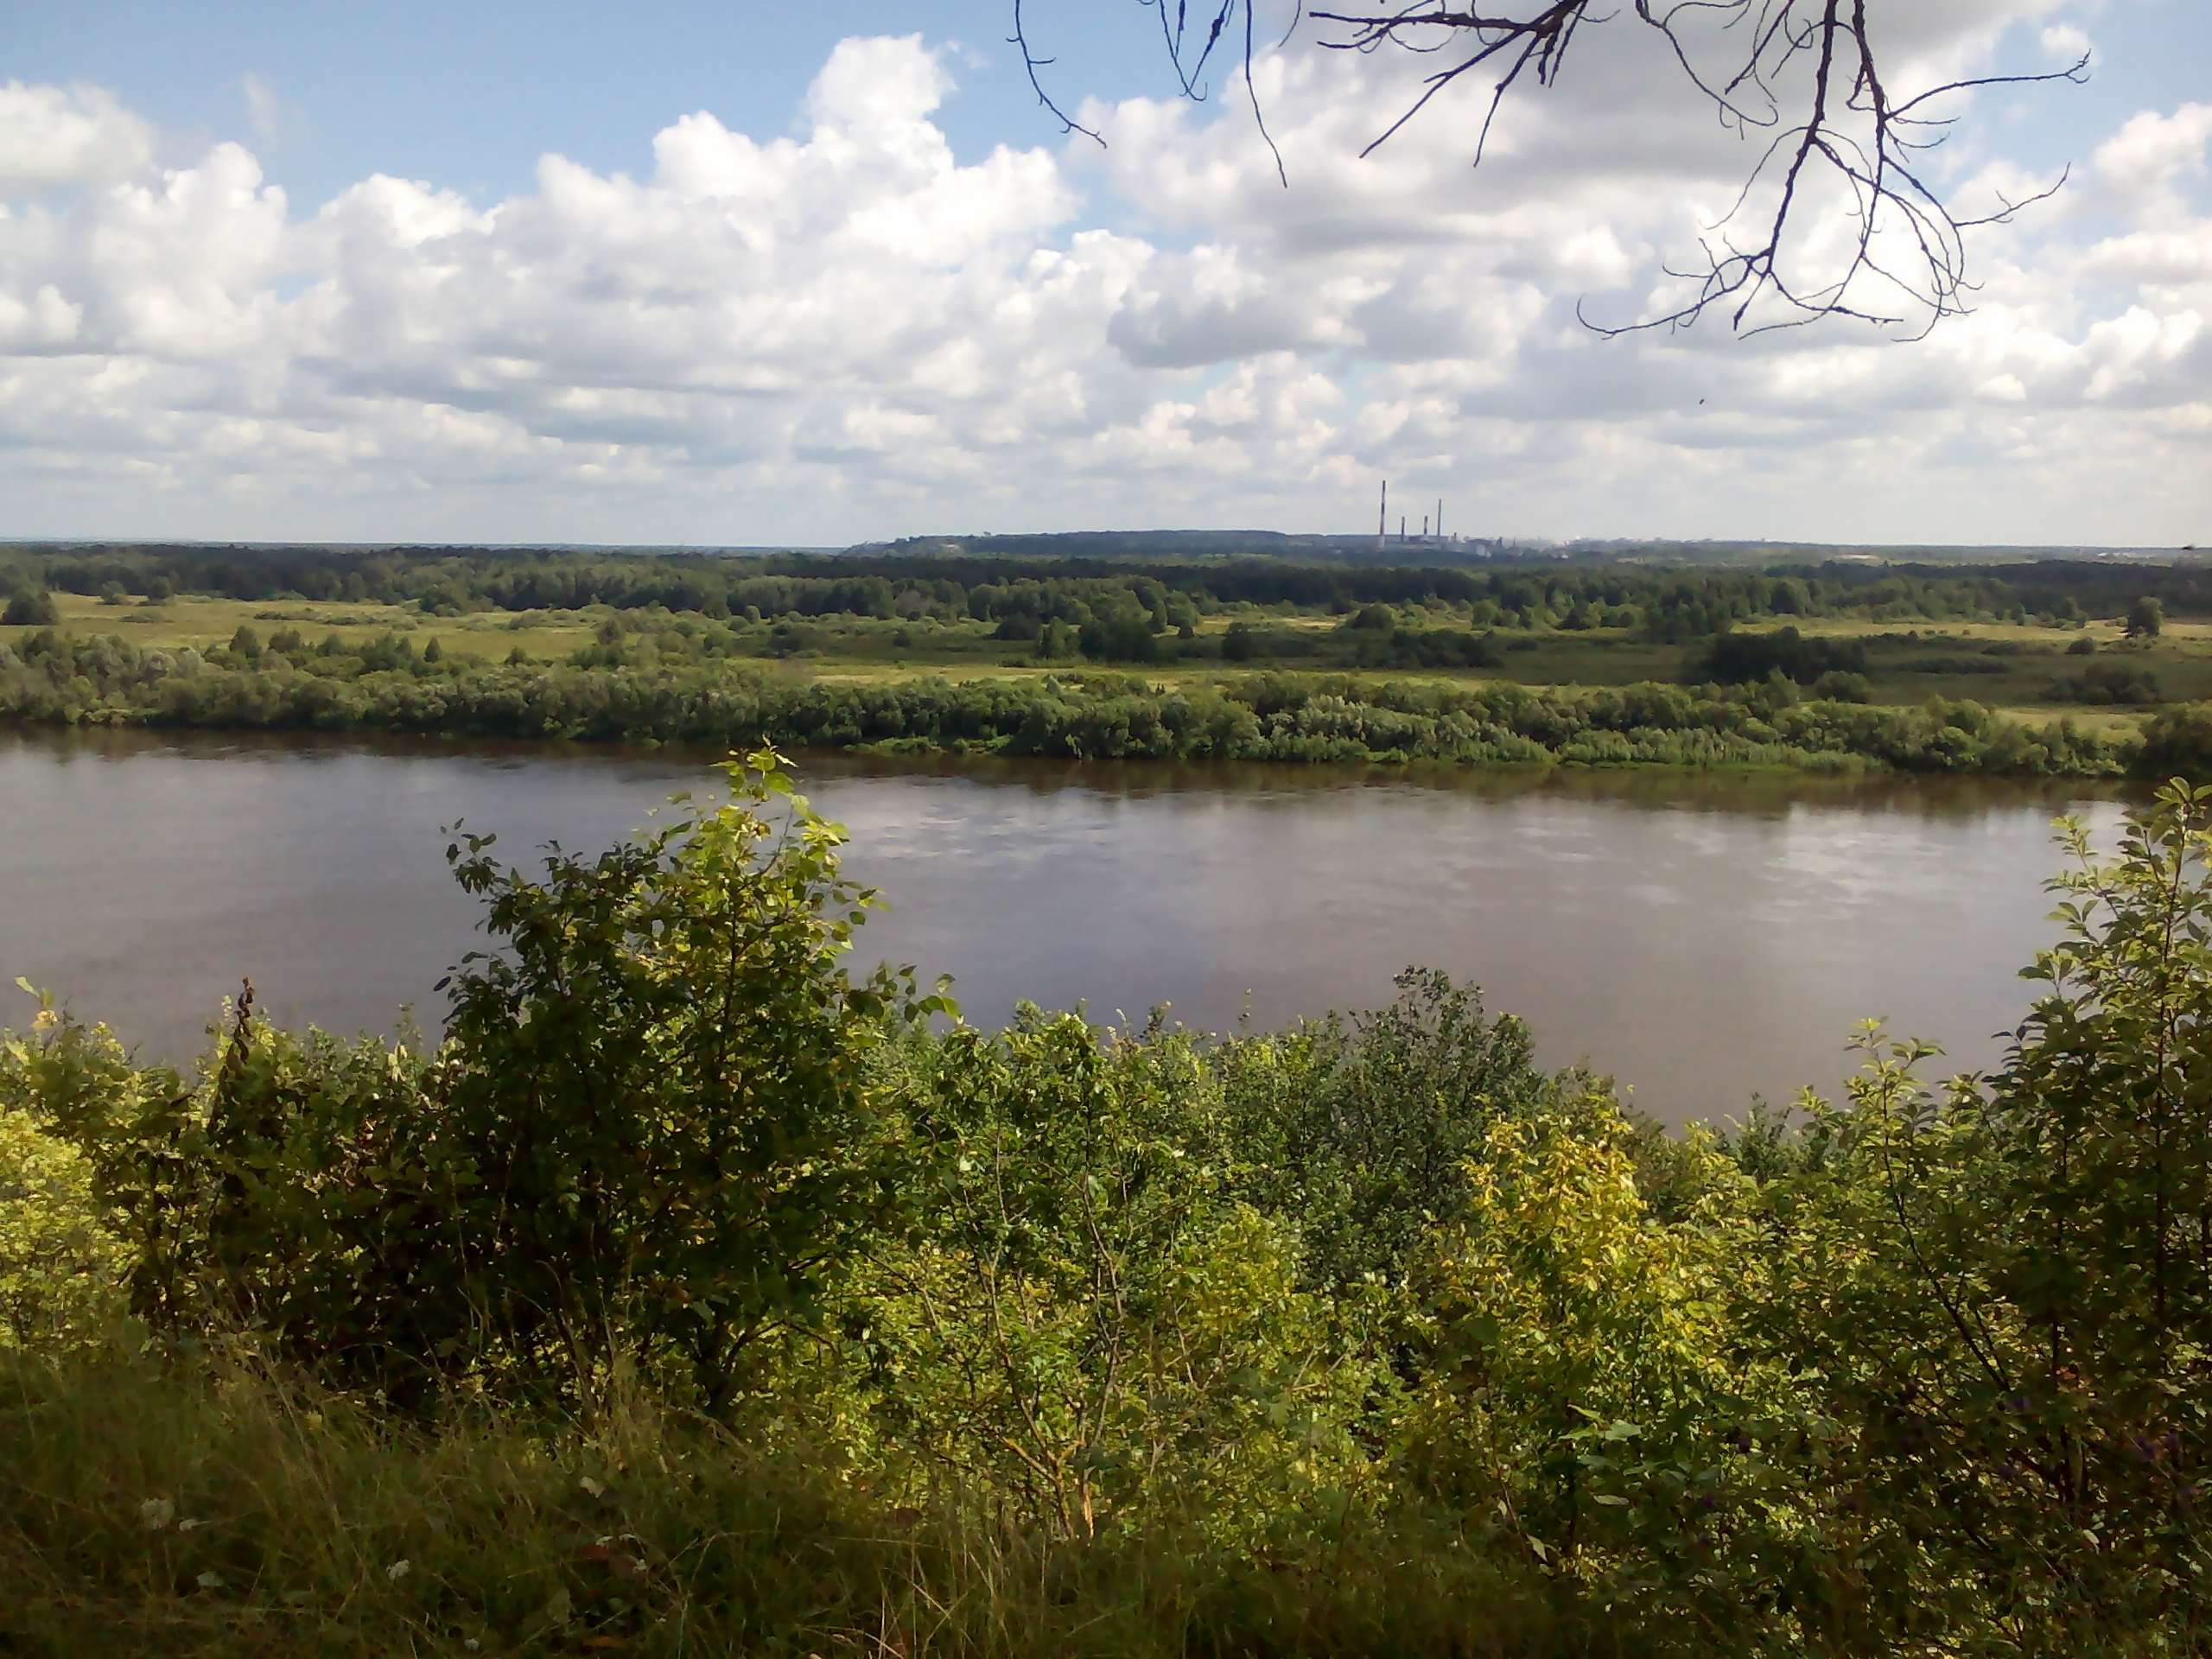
[(847, 328), (66, 134)]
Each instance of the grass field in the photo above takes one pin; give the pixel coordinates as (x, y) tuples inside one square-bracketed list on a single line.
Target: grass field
[(1907, 665), (203, 622)]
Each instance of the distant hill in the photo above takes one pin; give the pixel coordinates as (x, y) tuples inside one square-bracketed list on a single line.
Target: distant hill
[(1153, 544), (1158, 546), (1749, 552)]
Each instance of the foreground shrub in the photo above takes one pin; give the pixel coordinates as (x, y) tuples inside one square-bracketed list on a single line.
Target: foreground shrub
[(642, 1140), (1084, 1314), (61, 1266)]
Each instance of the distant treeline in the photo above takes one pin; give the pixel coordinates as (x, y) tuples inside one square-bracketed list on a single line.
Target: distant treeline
[(1665, 603), (387, 685)]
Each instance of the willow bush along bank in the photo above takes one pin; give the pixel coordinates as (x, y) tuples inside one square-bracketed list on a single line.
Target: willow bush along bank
[(693, 1295), (388, 685)]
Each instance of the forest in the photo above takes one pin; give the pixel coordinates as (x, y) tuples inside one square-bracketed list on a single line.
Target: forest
[(2053, 668), (1673, 600), (694, 1294)]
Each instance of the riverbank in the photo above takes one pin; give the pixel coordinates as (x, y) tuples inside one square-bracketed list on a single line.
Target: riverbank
[(56, 678)]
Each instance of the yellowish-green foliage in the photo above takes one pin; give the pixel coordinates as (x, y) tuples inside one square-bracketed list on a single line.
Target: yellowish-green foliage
[(1085, 1314), (1589, 1391), (61, 1266)]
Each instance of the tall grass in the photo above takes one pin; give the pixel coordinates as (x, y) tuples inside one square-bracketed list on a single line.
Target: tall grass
[(217, 1507)]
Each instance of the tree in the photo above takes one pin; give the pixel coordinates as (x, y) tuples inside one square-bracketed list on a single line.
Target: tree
[(648, 1141), (2145, 617), (662, 1079), (2016, 1274), (245, 642), (1124, 637), (1839, 134), (32, 608), (113, 593)]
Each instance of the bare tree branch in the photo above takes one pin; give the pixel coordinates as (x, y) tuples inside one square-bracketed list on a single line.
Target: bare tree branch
[(1032, 63), (1905, 265)]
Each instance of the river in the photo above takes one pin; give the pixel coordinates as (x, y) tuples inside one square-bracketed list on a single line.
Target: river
[(1703, 938)]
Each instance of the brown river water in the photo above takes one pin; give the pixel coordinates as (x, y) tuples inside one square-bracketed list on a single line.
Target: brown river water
[(1702, 937)]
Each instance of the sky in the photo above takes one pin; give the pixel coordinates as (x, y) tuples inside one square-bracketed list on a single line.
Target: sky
[(743, 275)]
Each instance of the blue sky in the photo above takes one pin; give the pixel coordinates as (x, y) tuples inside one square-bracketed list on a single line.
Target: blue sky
[(821, 315), (473, 94)]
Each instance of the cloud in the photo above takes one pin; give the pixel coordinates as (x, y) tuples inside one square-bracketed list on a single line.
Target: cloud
[(2154, 152), (271, 115), (66, 134), (2065, 42), (847, 329)]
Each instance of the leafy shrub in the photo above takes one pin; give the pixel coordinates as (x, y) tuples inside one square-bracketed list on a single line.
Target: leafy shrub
[(1366, 1131), (640, 1142), (2178, 741), (1083, 1316), (1586, 1390), (61, 1268), (32, 607), (2106, 683), (1737, 658)]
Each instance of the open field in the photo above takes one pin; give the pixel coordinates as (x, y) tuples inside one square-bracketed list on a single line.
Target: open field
[(2018, 669), (200, 622), (1902, 668)]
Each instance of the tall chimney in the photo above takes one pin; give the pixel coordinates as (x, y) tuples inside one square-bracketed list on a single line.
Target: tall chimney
[(1424, 526), (1439, 518)]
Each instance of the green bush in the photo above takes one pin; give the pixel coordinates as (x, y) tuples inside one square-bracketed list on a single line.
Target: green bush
[(1082, 1315), (62, 1267), (31, 608), (603, 695), (1838, 686), (2105, 682), (642, 1138)]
